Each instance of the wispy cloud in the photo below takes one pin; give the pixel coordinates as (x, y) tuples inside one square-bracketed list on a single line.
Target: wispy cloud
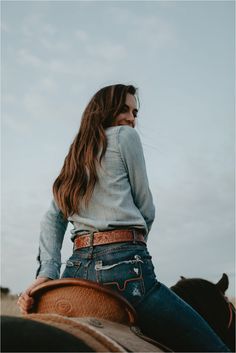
[(82, 35), (34, 24), (55, 45), (152, 31), (26, 57), (38, 106), (109, 52), (18, 125), (47, 84), (87, 49)]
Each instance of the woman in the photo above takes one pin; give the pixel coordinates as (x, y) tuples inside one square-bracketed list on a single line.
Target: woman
[(103, 191)]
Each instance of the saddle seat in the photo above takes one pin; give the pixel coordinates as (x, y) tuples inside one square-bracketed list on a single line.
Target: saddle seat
[(98, 316), (72, 297)]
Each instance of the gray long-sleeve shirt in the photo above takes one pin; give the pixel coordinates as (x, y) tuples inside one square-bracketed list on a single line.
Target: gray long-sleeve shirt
[(121, 199)]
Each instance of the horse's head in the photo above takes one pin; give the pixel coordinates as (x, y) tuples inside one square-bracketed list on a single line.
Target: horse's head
[(209, 300)]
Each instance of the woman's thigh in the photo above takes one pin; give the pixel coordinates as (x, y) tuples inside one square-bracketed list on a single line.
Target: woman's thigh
[(168, 319)]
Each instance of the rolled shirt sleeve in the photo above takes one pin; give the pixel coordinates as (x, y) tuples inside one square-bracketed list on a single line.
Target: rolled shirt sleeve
[(131, 151), (52, 230)]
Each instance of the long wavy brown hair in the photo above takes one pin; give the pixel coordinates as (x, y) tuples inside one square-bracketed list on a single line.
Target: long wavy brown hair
[(75, 184)]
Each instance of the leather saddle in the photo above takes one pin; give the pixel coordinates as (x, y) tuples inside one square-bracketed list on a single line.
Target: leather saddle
[(81, 298), (93, 313)]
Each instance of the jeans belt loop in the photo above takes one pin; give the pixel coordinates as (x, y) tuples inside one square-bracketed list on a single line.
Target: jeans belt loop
[(134, 236), (91, 238)]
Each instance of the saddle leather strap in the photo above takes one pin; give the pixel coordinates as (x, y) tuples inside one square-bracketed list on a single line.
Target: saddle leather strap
[(109, 237)]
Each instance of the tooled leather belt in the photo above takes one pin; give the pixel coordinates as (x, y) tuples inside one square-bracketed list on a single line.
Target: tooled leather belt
[(109, 237)]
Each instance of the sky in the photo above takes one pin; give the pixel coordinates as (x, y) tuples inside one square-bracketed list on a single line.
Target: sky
[(180, 54)]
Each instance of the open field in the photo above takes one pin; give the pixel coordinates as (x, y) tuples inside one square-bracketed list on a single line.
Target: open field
[(9, 306)]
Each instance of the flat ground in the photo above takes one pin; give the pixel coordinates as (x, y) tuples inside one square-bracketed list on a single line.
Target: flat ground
[(9, 306)]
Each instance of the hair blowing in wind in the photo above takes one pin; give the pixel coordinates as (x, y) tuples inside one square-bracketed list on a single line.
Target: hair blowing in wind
[(75, 184)]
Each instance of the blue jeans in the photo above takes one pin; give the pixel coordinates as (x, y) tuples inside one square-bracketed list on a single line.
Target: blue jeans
[(127, 268)]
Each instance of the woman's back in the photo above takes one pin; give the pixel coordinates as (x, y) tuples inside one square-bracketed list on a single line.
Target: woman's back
[(121, 196)]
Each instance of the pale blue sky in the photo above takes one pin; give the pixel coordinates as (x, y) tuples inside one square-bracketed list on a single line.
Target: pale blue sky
[(180, 54)]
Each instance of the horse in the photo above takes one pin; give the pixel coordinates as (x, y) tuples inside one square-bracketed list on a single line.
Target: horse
[(210, 301), (79, 334), (22, 335)]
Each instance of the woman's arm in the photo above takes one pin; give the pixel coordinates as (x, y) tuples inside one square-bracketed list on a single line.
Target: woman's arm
[(53, 228), (132, 155)]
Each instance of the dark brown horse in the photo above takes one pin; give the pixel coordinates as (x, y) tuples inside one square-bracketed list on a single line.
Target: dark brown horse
[(21, 335), (210, 302)]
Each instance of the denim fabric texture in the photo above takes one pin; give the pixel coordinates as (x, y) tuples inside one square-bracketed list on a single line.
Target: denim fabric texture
[(121, 199), (127, 269)]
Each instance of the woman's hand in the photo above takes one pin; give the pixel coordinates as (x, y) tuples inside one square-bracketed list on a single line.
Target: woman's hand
[(25, 301)]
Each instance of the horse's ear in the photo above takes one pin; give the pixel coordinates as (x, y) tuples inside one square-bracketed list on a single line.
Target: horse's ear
[(223, 283), (182, 277)]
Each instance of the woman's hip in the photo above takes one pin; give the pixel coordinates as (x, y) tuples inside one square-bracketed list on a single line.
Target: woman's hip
[(125, 267)]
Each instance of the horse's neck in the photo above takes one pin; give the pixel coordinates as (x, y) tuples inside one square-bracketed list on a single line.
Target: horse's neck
[(207, 301)]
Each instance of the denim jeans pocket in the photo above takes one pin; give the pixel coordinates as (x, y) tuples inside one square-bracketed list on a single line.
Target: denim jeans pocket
[(72, 269), (125, 277)]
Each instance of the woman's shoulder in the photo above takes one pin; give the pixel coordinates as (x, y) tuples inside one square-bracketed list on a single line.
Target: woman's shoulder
[(122, 131), (123, 138), (128, 135)]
